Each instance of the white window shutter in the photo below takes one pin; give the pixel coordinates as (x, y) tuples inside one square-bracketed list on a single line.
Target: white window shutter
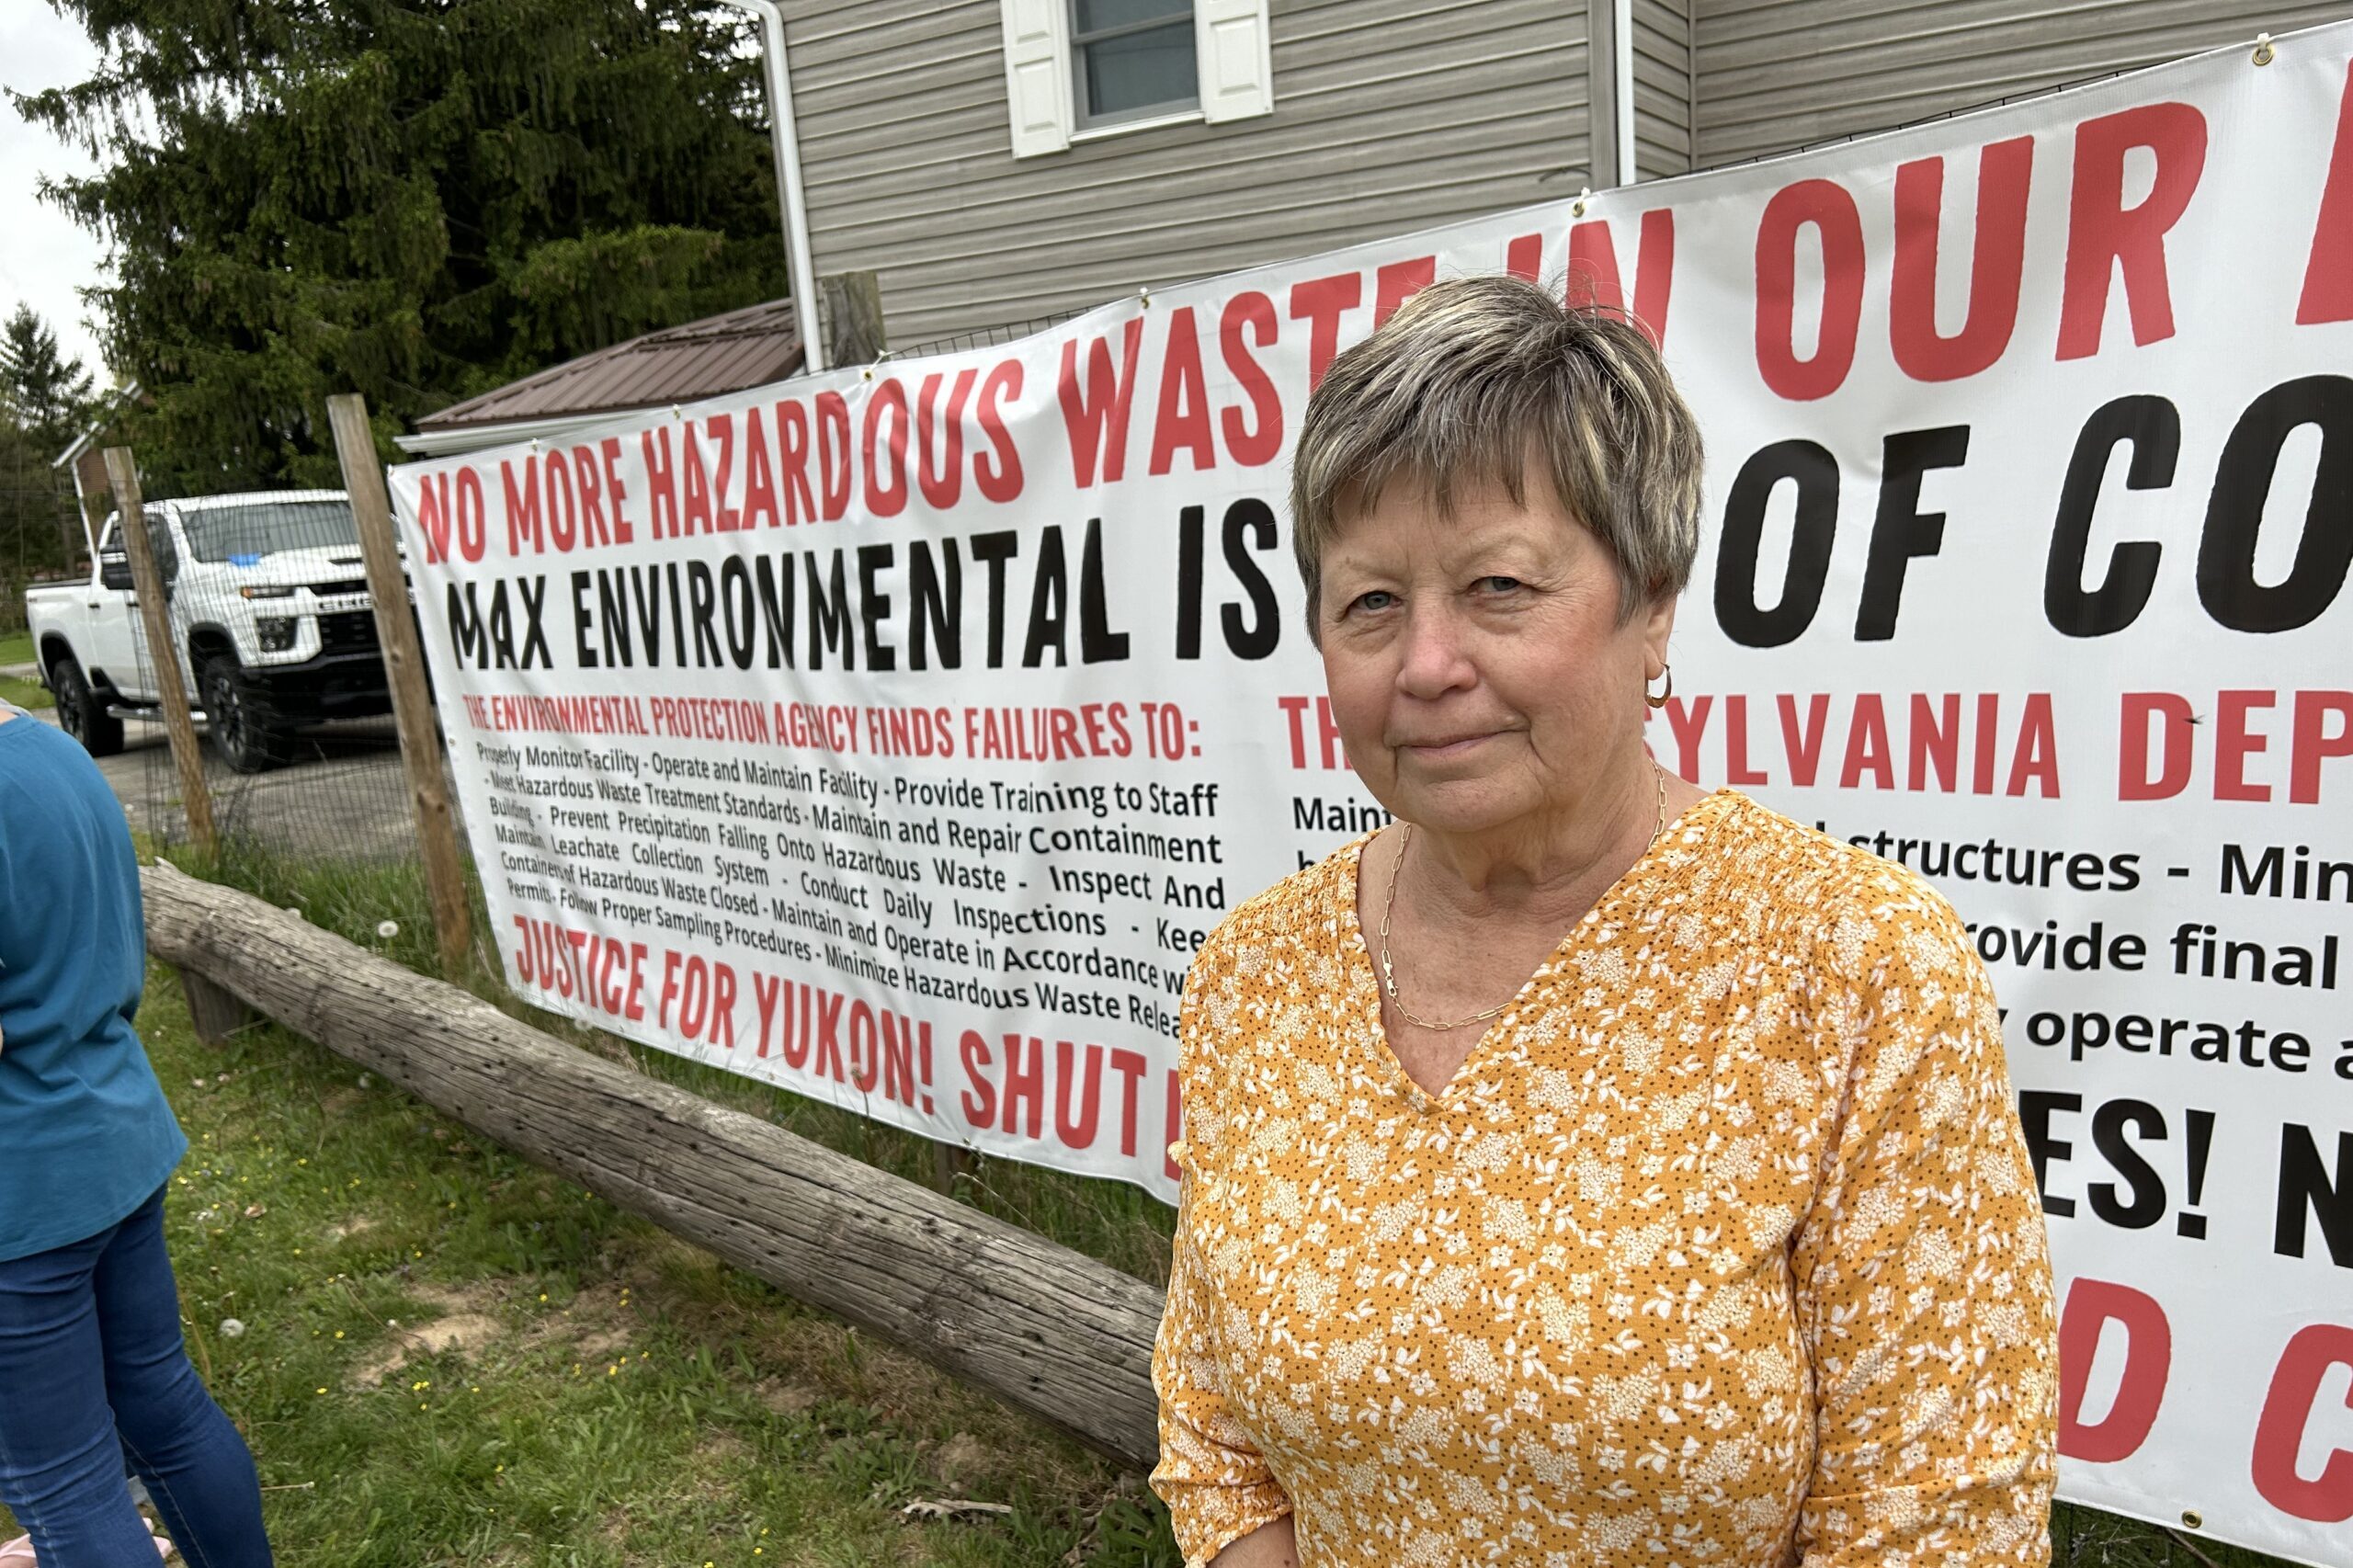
[(1236, 59), (1037, 76)]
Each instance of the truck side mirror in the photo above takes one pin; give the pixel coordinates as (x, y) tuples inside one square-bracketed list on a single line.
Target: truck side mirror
[(114, 571)]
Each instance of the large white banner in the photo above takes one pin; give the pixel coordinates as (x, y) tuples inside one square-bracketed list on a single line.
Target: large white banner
[(895, 736)]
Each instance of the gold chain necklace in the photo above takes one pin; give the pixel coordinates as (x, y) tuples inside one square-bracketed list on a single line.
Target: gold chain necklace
[(1397, 874)]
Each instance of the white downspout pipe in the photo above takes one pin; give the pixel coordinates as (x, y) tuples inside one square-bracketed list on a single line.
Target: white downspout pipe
[(81, 509), (790, 195), (1622, 69), (71, 464)]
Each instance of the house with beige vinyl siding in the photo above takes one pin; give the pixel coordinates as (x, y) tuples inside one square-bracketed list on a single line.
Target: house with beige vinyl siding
[(994, 163), (1000, 162), (1772, 75)]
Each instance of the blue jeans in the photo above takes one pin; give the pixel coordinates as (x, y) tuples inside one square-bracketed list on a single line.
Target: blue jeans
[(92, 1373)]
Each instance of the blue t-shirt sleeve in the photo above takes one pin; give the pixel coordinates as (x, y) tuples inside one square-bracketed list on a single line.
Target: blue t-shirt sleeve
[(86, 1134)]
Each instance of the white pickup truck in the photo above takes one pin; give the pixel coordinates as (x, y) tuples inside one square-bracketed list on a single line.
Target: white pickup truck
[(268, 603)]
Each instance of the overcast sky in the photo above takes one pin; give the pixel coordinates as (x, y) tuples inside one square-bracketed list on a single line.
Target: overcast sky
[(44, 256)]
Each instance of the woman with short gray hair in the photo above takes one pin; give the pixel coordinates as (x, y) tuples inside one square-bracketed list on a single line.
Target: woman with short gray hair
[(1582, 1168)]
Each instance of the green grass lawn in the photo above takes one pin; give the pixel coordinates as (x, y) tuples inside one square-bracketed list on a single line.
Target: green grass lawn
[(17, 649), (448, 1356), (27, 694)]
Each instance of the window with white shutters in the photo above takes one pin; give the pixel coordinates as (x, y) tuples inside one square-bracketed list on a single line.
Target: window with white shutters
[(1078, 70)]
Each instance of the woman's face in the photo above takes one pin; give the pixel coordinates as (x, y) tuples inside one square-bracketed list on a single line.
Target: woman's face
[(1480, 675)]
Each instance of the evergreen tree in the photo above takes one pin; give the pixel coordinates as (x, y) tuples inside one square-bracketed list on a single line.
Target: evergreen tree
[(44, 395), (414, 199), (36, 510)]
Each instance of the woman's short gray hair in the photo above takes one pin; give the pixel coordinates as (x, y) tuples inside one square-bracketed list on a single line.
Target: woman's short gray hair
[(1481, 379)]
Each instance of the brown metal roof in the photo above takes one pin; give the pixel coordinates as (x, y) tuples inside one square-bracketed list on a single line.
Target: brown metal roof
[(703, 359)]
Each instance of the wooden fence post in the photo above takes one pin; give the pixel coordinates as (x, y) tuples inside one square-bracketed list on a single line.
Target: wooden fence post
[(854, 333), (949, 1165), (162, 650), (428, 780), (214, 1011)]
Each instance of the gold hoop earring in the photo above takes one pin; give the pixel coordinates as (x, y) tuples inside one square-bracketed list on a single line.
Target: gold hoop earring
[(1660, 701)]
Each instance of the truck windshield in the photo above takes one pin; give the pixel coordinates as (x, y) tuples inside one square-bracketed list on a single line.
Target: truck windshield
[(264, 528)]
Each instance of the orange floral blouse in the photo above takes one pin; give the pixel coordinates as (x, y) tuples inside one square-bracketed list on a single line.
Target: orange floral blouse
[(1723, 1247)]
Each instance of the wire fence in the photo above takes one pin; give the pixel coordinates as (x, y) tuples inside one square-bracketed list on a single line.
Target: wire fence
[(986, 337), (272, 626), (273, 643), (41, 530)]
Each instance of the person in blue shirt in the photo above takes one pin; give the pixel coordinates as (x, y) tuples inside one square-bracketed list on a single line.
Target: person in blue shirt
[(93, 1371)]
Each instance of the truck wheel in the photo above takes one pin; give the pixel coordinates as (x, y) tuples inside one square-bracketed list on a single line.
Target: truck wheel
[(239, 724), (81, 713)]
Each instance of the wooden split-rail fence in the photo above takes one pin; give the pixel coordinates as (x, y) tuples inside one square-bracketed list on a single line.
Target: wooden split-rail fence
[(1042, 1327)]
